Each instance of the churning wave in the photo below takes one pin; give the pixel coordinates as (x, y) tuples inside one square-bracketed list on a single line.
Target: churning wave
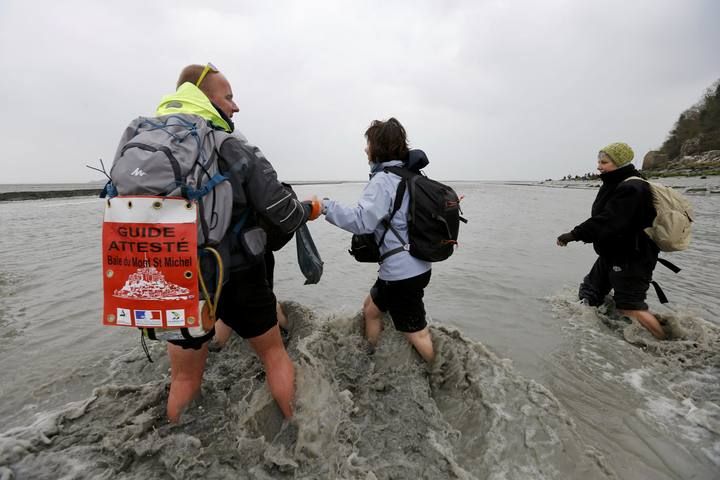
[(358, 415), (664, 394)]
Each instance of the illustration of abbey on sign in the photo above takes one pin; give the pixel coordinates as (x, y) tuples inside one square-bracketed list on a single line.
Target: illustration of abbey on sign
[(148, 283)]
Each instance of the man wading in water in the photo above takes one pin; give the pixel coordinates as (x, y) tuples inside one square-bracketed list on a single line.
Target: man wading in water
[(247, 304)]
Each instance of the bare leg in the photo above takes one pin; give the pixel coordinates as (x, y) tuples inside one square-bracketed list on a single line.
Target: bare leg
[(422, 341), (222, 332), (186, 372), (281, 317), (278, 368), (373, 320), (647, 320)]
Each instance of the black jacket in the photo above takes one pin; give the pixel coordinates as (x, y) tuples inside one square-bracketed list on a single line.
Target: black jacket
[(256, 187), (620, 212)]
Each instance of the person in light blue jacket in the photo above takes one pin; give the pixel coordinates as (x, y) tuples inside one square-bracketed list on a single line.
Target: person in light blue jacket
[(402, 278)]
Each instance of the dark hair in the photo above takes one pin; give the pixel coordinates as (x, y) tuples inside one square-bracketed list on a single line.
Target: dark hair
[(387, 140)]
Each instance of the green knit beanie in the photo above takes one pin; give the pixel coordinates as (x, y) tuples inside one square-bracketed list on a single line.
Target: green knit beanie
[(620, 153)]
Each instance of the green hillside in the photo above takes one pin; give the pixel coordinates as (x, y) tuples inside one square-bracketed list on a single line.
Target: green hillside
[(693, 145)]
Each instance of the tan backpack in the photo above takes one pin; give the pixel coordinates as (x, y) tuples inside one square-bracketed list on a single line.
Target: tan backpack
[(671, 227)]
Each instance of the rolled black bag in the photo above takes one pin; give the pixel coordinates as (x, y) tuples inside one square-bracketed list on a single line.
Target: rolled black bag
[(364, 248), (309, 261)]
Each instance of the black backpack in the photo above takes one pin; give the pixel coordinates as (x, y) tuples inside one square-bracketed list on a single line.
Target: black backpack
[(433, 217)]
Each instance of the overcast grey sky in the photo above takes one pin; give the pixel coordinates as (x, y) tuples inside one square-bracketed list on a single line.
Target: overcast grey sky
[(491, 90)]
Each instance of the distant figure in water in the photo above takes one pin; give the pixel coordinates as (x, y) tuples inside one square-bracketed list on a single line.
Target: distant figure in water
[(626, 255), (402, 278)]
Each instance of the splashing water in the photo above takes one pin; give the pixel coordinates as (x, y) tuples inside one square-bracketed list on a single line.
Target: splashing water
[(664, 391), (359, 415)]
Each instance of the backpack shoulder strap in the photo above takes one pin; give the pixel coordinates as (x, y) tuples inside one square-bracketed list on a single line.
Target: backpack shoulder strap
[(404, 174), (219, 138), (669, 265), (636, 178), (399, 195)]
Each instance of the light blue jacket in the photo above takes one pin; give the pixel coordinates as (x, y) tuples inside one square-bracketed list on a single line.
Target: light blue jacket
[(376, 204)]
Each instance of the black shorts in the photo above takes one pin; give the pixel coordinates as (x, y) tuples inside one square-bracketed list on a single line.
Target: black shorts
[(270, 267), (403, 299), (247, 305), (247, 302)]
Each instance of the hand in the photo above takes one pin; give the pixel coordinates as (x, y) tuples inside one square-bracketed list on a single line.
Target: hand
[(565, 238), (313, 207)]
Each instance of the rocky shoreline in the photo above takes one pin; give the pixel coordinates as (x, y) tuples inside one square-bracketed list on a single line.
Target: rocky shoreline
[(688, 185), (657, 164)]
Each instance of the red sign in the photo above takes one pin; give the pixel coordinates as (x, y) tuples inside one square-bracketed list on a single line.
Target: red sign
[(150, 264)]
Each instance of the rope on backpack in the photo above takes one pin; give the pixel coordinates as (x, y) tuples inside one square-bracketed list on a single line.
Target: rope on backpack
[(212, 302)]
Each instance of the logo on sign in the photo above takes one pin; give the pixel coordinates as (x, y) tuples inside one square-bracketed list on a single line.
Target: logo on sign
[(148, 318), (123, 316), (175, 318)]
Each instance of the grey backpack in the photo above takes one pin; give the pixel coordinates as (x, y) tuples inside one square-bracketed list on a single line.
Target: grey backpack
[(176, 155)]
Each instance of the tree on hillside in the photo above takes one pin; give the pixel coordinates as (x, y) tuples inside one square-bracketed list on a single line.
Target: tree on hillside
[(700, 123)]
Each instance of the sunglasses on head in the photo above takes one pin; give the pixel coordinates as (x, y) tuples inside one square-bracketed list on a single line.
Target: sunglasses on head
[(208, 68)]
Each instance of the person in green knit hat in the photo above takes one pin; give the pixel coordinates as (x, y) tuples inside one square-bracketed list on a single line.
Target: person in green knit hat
[(627, 257)]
